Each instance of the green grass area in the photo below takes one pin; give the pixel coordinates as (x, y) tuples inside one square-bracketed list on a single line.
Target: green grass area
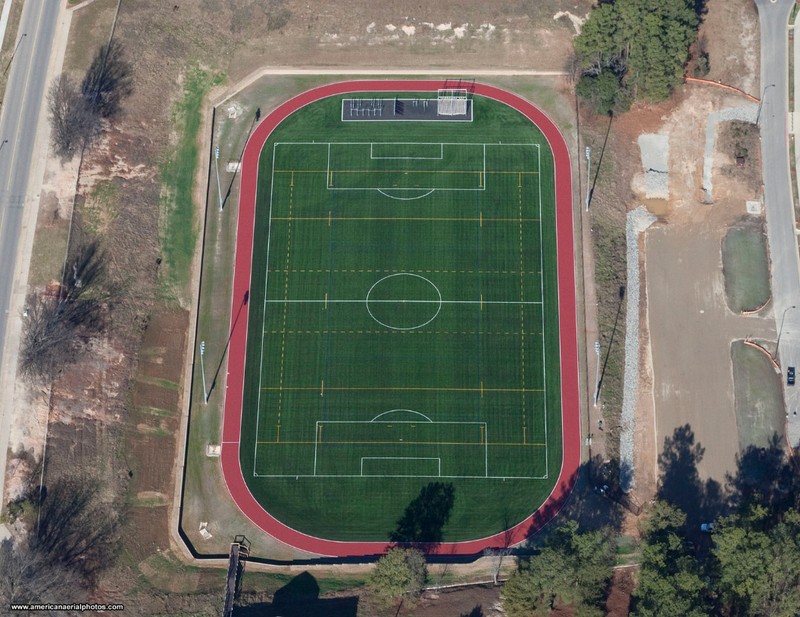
[(628, 551), (178, 224), (403, 323), (746, 268), (47, 257), (157, 381), (101, 207), (759, 400)]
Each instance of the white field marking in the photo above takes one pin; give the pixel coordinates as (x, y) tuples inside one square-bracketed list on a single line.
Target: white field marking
[(481, 174), (330, 301), (486, 450), (264, 311), (482, 441), (401, 458), (395, 410), (546, 475), (374, 421), (382, 192), (541, 282), (407, 158), (422, 325)]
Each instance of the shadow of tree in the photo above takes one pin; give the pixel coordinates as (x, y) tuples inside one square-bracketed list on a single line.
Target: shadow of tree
[(300, 598), (475, 612), (424, 518), (765, 477), (680, 483), (590, 504)]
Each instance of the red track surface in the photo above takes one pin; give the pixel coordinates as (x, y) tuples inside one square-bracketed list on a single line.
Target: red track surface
[(571, 430)]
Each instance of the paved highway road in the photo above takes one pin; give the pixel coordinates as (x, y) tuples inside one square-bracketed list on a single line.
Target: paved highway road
[(18, 124), (774, 18)]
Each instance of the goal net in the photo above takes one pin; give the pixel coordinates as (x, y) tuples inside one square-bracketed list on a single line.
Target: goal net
[(452, 102)]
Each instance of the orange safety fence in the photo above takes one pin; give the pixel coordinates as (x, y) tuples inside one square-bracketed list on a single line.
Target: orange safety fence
[(721, 85)]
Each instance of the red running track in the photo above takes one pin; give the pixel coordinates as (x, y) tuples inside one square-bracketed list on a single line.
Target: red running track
[(570, 404)]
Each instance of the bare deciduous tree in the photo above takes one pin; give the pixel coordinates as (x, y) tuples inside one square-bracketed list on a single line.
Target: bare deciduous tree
[(107, 81), (28, 576), (73, 122), (77, 527), (56, 325)]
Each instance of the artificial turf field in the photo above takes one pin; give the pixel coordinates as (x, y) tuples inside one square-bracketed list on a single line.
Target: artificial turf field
[(403, 324)]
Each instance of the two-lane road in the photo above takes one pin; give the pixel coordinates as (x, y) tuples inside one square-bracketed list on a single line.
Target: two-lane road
[(773, 18), (19, 118)]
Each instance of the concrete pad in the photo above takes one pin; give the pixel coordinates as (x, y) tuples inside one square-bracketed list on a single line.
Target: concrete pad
[(655, 152), (753, 207)]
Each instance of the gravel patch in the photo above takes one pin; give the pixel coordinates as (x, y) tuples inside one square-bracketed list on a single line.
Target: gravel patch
[(637, 221), (654, 149), (745, 113)]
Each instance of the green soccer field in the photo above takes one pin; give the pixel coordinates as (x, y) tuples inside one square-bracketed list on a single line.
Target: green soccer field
[(403, 324)]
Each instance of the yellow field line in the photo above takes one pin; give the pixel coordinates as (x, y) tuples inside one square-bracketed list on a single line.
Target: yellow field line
[(402, 171), (403, 389), (478, 219), (410, 443)]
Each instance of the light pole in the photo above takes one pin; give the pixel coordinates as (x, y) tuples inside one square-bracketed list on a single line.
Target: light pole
[(780, 330), (588, 170), (203, 371), (219, 188), (597, 373), (14, 53), (761, 102)]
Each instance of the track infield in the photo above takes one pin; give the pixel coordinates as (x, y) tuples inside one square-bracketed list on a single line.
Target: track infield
[(401, 291)]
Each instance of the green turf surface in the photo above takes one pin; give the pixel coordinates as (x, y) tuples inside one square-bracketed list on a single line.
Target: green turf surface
[(403, 322), (746, 267)]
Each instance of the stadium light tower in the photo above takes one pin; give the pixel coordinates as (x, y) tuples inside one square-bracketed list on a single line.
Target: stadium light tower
[(219, 188), (203, 371), (588, 170)]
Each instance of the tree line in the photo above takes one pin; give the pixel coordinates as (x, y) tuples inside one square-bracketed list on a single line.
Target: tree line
[(743, 562), (632, 50)]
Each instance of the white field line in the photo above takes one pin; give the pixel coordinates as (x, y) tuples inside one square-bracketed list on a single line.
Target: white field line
[(264, 312), (544, 333), (399, 458), (362, 301)]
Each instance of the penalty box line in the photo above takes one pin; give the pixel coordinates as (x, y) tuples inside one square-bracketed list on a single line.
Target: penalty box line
[(330, 175), (484, 437)]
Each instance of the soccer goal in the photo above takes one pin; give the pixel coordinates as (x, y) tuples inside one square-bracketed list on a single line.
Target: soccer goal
[(453, 102)]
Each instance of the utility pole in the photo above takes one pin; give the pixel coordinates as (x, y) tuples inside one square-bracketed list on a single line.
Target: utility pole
[(14, 53)]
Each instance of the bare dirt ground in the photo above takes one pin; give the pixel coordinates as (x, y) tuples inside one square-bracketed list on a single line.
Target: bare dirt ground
[(690, 325), (733, 59)]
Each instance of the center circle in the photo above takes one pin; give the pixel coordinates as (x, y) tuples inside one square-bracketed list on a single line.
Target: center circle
[(403, 301)]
